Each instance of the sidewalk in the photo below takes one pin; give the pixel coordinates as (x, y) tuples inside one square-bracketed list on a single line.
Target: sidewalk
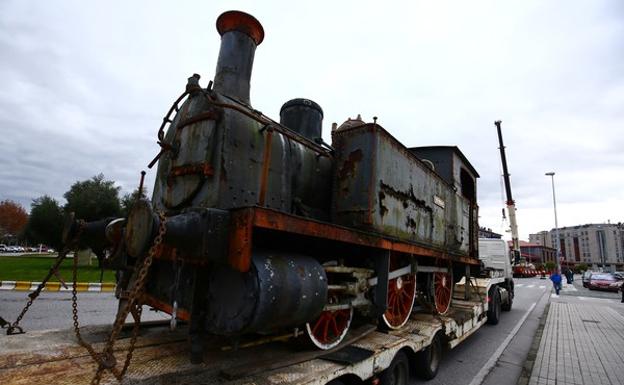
[(582, 344)]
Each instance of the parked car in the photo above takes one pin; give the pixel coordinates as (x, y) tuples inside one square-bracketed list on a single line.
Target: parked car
[(619, 275), (585, 278), (3, 248), (602, 281)]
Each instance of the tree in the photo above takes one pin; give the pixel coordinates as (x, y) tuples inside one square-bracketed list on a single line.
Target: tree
[(46, 222), (93, 199), (13, 218), (580, 268), (550, 266)]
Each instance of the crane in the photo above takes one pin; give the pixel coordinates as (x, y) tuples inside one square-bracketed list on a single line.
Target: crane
[(511, 204)]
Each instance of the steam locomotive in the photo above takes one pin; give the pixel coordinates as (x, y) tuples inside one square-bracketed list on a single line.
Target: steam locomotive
[(256, 226)]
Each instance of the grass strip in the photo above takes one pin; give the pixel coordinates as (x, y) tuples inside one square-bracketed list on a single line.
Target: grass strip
[(35, 268)]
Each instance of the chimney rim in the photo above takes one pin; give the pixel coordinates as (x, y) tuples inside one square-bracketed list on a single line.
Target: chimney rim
[(241, 22)]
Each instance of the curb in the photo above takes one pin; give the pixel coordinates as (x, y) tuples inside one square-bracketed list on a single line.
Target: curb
[(527, 368), (95, 287)]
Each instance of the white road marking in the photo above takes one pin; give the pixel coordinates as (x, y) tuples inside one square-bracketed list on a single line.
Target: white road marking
[(531, 286), (478, 379), (519, 284), (542, 287)]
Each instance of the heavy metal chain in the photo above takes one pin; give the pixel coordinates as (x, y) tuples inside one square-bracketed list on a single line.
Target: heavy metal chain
[(106, 359), (14, 328)]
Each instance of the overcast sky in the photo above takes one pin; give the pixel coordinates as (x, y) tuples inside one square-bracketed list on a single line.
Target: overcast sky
[(84, 87)]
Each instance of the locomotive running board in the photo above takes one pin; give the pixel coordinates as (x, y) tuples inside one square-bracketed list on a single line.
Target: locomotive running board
[(244, 220)]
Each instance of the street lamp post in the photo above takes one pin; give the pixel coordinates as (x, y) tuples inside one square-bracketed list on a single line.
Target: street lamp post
[(552, 179)]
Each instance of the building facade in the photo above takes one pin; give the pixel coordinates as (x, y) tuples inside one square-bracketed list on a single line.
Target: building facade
[(599, 245), (536, 252)]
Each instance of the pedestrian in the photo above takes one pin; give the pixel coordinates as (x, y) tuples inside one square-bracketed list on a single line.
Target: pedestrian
[(556, 280), (622, 290), (568, 275), (571, 275)]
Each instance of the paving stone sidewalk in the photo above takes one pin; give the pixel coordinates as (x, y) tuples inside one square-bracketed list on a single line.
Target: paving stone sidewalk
[(582, 344)]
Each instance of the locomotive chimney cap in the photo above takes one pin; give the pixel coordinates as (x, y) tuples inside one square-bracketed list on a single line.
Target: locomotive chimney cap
[(241, 22)]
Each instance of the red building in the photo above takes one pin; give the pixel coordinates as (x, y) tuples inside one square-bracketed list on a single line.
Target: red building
[(536, 253)]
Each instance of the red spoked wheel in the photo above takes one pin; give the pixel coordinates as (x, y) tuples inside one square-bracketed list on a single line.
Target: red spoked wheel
[(330, 328), (442, 291), (401, 296)]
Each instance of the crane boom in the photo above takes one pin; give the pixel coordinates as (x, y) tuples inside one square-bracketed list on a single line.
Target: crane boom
[(511, 204)]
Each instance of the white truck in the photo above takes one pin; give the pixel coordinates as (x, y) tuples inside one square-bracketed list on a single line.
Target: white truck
[(369, 355)]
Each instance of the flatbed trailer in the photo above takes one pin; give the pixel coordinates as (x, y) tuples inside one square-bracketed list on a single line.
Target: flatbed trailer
[(162, 356)]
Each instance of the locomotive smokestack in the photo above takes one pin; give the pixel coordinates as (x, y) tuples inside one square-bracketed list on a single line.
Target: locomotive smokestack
[(240, 34)]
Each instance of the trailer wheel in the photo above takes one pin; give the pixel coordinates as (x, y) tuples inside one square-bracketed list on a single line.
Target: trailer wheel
[(507, 305), (428, 359), (398, 371), (494, 308)]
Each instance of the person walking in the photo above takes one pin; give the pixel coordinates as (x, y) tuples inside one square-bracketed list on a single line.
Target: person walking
[(556, 280), (622, 290), (569, 276)]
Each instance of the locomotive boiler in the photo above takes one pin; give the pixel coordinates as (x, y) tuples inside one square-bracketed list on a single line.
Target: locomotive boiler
[(258, 226)]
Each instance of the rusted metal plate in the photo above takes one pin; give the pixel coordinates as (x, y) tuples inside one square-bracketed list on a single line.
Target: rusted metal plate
[(249, 218), (241, 239), (382, 186)]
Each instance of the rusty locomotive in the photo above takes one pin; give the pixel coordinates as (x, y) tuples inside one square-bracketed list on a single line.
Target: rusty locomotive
[(256, 226)]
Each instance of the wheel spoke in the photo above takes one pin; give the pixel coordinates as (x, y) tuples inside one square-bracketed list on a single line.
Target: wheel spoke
[(330, 328), (400, 301), (442, 291)]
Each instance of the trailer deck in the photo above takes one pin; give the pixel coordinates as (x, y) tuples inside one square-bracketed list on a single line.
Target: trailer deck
[(163, 357)]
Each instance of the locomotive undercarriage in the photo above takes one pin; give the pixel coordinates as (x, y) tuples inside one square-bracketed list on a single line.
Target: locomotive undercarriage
[(302, 274)]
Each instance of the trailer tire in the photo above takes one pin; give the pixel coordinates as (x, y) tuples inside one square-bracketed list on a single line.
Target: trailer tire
[(494, 309), (428, 359), (510, 296), (398, 371)]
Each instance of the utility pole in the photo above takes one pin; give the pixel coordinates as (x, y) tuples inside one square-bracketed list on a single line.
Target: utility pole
[(511, 204), (552, 178)]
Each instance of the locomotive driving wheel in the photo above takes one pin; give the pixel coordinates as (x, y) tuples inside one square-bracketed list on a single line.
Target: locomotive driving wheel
[(443, 290), (401, 296), (330, 328)]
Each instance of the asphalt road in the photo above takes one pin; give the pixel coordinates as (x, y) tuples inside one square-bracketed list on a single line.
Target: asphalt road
[(495, 354), (53, 310)]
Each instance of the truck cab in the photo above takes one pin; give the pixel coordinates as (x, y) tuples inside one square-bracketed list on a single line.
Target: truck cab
[(495, 257)]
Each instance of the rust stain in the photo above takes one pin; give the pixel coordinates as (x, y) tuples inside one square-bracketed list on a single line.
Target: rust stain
[(203, 169), (241, 229), (349, 165), (278, 221), (266, 163), (154, 302)]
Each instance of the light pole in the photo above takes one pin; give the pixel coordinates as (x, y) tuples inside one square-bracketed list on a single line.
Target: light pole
[(557, 243)]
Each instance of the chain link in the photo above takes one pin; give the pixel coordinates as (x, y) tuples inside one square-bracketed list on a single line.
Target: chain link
[(32, 296), (106, 360)]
